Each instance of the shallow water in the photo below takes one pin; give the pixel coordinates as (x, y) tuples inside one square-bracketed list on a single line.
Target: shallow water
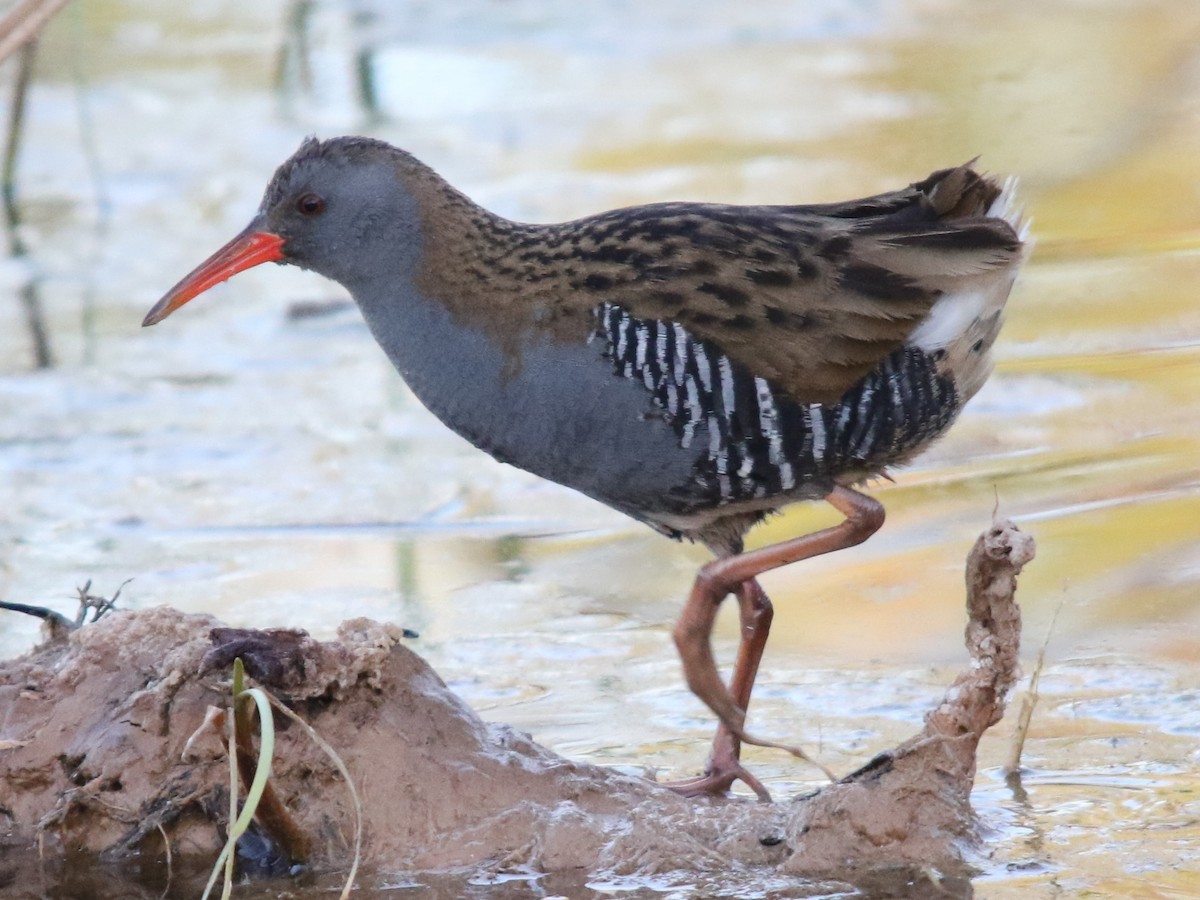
[(274, 470)]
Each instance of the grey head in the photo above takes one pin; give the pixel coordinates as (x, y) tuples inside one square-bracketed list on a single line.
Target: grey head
[(346, 208)]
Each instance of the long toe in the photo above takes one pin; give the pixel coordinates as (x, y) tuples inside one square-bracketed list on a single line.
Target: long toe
[(718, 780)]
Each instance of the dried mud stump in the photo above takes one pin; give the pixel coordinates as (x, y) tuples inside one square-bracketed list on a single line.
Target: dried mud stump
[(911, 805), (92, 729)]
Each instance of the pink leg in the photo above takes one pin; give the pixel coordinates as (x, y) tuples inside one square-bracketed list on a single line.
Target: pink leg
[(693, 632), (724, 765)]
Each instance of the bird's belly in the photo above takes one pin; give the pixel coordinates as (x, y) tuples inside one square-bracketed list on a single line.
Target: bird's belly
[(551, 407), (702, 438)]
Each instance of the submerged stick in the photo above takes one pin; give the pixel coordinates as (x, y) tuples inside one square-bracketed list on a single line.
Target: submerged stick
[(1012, 766)]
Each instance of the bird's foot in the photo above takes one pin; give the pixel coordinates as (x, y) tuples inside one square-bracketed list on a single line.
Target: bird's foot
[(723, 769), (718, 780)]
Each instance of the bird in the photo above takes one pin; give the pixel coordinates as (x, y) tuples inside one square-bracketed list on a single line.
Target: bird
[(696, 366)]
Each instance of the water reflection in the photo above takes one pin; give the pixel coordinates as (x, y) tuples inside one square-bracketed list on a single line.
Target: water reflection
[(30, 296)]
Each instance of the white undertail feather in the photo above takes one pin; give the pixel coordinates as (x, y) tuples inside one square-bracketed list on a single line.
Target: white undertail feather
[(1005, 207), (965, 321)]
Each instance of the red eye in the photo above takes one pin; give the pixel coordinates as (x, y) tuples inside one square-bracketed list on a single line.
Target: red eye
[(311, 204)]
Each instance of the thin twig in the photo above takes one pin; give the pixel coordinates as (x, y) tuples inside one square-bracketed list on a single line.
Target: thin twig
[(170, 869), (340, 765), (293, 61), (1013, 765), (12, 214), (24, 22), (88, 142)]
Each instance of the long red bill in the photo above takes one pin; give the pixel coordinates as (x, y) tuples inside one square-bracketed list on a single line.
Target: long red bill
[(248, 249)]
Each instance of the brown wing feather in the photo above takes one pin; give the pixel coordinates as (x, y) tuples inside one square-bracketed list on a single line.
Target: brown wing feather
[(810, 298)]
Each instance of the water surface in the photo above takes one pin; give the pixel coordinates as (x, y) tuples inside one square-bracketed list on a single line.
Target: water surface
[(274, 470)]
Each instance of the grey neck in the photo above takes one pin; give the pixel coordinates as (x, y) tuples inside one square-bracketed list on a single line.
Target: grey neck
[(556, 409)]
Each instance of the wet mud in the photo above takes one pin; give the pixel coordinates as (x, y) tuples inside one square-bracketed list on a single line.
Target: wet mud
[(95, 723)]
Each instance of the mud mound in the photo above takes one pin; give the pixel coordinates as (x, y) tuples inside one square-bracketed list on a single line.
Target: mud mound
[(93, 727)]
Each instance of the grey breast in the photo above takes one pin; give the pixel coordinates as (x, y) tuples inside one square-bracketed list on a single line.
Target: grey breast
[(550, 407), (646, 418)]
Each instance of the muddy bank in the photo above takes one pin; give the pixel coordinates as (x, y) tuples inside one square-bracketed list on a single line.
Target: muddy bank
[(93, 728)]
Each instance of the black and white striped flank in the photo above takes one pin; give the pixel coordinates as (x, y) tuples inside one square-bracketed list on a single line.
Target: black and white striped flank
[(757, 442)]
